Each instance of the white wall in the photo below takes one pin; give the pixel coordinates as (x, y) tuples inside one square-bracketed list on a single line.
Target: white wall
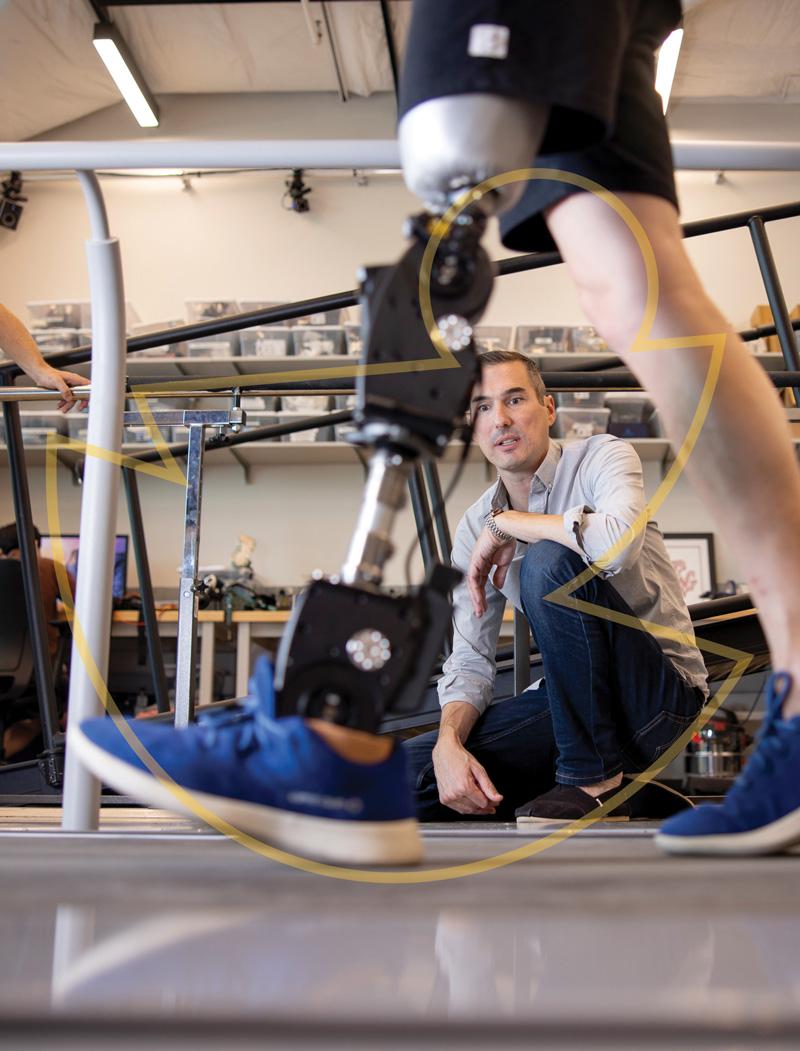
[(229, 237)]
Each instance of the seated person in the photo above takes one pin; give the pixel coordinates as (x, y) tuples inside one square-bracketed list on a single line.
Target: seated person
[(613, 696), (21, 734), (48, 581)]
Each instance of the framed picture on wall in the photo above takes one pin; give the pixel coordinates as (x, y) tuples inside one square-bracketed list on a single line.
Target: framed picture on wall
[(692, 555)]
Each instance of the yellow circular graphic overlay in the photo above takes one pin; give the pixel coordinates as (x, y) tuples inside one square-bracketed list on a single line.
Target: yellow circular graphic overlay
[(171, 472)]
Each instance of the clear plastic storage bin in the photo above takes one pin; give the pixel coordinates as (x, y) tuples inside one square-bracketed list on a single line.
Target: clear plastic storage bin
[(166, 350), (492, 337), (247, 306), (262, 419), (255, 403), (225, 345), (353, 341), (543, 339), (631, 415), (318, 342), (61, 313), (36, 426), (305, 404), (586, 340), (77, 424), (581, 399), (573, 423), (207, 309), (70, 313), (268, 341), (327, 317), (140, 435), (314, 434), (52, 339)]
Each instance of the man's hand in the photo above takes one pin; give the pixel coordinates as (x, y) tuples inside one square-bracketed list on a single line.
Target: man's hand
[(489, 552), (464, 785), (46, 376)]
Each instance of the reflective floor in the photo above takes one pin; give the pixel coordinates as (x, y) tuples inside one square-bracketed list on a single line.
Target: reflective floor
[(155, 931)]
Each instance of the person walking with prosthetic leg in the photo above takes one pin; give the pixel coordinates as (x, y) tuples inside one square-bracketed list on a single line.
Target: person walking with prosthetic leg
[(489, 88)]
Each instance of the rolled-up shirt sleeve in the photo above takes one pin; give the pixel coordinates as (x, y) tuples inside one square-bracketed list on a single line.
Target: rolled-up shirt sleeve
[(613, 476), (468, 673)]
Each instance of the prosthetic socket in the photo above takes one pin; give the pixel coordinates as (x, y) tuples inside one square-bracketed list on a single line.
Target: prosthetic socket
[(452, 143)]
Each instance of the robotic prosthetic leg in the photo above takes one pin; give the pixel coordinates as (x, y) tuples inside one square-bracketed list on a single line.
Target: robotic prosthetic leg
[(351, 654)]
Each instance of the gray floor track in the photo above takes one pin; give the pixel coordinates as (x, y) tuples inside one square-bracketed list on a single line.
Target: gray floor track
[(154, 931)]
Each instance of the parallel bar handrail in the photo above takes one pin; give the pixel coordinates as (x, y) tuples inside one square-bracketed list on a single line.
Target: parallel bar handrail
[(696, 228), (616, 380)]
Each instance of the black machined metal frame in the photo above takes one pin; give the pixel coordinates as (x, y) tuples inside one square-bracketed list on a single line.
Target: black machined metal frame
[(606, 373), (422, 516), (390, 47)]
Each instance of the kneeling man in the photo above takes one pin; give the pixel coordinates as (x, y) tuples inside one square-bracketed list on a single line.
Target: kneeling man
[(613, 696)]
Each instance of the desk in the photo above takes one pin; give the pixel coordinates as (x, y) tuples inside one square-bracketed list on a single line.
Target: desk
[(248, 625)]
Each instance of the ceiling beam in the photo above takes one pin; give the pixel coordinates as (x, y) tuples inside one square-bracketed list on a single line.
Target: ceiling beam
[(99, 9), (390, 45)]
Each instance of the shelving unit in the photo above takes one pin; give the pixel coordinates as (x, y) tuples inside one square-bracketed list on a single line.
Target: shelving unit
[(260, 454)]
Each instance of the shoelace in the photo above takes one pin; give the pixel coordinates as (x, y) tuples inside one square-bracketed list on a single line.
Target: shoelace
[(254, 729), (771, 747)]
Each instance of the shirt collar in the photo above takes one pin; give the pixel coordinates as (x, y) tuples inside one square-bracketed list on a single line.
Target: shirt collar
[(543, 477)]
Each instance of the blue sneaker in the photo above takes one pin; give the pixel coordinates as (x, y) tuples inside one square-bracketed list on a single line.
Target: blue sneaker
[(273, 778), (761, 812)]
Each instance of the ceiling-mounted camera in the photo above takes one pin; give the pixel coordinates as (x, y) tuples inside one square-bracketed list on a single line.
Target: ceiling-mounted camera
[(11, 201), (294, 200)]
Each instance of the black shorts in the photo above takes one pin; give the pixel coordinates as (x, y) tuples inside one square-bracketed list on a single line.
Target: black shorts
[(591, 61)]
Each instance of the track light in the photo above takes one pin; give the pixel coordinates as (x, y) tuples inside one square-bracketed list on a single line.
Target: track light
[(667, 64), (119, 62), (10, 203)]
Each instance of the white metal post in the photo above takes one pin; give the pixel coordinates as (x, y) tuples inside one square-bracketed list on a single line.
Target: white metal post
[(99, 505)]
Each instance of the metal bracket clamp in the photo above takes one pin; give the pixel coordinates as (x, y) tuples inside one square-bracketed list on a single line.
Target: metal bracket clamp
[(225, 419)]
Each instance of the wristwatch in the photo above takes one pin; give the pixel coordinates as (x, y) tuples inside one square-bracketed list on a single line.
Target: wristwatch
[(493, 527)]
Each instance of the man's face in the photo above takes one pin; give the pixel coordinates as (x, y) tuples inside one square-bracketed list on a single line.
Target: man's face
[(511, 424)]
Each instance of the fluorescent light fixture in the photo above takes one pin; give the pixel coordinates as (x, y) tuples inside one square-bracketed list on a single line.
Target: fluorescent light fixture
[(119, 62), (667, 64)]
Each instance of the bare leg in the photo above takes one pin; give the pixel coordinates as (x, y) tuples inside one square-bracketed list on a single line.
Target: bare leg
[(743, 466)]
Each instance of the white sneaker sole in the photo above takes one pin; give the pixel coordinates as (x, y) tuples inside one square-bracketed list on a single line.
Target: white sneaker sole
[(334, 840), (773, 838)]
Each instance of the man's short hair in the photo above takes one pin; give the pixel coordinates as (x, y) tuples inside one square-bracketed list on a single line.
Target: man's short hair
[(508, 357), (9, 537)]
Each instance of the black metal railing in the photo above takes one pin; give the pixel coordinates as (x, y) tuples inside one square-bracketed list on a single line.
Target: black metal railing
[(607, 373)]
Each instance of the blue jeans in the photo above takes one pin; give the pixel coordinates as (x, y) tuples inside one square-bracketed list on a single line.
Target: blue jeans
[(611, 701)]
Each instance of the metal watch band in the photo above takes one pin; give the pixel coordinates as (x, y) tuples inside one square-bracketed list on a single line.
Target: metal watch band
[(494, 528)]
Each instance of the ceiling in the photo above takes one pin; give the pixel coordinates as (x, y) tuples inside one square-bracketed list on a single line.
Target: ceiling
[(734, 50)]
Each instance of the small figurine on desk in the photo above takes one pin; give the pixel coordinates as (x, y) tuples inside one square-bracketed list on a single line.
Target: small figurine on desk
[(242, 557)]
